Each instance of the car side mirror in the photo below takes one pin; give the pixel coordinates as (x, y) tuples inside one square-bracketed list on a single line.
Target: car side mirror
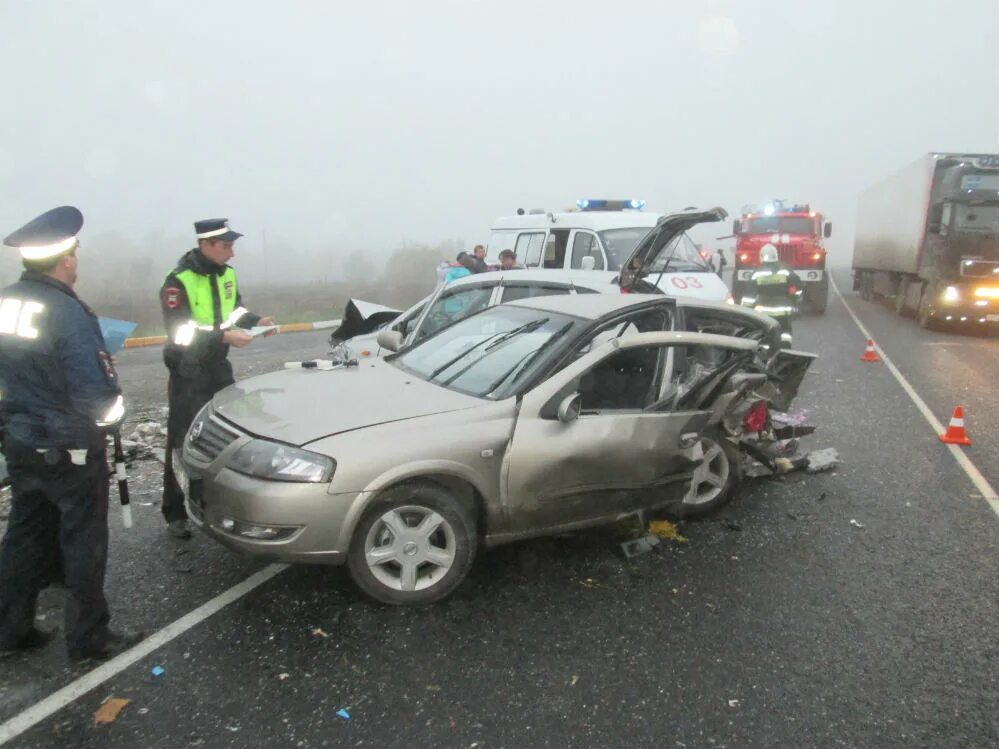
[(569, 408), (390, 340), (827, 231), (736, 226)]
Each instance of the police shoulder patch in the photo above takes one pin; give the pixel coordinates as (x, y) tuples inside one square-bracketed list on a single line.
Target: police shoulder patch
[(171, 297)]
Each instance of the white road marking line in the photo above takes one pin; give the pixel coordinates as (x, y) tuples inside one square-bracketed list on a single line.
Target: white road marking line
[(983, 486), (76, 689)]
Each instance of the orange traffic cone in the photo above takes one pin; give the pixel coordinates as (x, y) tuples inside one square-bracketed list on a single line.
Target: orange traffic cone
[(870, 354), (955, 434)]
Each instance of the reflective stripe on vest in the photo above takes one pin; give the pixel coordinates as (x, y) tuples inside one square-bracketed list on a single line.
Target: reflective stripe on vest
[(199, 295)]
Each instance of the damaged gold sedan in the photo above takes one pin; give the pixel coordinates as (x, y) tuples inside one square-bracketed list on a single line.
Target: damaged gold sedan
[(526, 419)]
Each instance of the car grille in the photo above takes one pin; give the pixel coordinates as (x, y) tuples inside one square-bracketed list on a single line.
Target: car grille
[(216, 435), (786, 254)]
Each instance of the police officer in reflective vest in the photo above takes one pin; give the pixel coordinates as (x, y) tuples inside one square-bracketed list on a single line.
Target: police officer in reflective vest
[(204, 316), (776, 289), (60, 398)]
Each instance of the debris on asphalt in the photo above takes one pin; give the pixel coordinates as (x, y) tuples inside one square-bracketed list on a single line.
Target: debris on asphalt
[(575, 680), (733, 703), (158, 671), (319, 633), (343, 714), (636, 547), (282, 677), (109, 710), (822, 460), (667, 531), (856, 524), (591, 583), (732, 526), (794, 418), (791, 515), (822, 497)]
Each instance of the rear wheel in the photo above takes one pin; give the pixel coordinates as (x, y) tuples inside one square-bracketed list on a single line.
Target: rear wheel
[(715, 481), (900, 297), (866, 286), (926, 319), (414, 545)]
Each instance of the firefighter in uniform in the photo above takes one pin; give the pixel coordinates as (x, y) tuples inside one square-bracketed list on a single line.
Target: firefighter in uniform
[(204, 316), (60, 398), (775, 291)]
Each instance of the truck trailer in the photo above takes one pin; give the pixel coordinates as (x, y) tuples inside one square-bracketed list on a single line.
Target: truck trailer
[(928, 237)]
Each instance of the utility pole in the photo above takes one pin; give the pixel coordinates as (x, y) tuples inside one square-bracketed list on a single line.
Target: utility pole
[(263, 245)]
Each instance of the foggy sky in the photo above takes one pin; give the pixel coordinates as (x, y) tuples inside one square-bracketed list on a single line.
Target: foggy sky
[(338, 126)]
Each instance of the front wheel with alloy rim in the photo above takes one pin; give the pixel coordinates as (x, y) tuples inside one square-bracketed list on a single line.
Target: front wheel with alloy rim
[(414, 545), (715, 481)]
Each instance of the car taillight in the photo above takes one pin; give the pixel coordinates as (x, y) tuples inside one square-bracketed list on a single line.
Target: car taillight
[(810, 257), (624, 290), (756, 417)]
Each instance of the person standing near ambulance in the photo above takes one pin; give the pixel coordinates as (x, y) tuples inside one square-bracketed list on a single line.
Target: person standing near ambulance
[(204, 315)]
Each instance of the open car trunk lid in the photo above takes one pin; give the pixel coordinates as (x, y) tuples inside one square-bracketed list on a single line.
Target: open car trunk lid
[(658, 239)]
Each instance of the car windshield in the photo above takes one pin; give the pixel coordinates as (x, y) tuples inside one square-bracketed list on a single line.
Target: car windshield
[(680, 255), (779, 225), (620, 243), (490, 354)]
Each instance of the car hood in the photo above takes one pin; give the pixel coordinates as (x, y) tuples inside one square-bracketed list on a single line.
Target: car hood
[(659, 238), (298, 406)]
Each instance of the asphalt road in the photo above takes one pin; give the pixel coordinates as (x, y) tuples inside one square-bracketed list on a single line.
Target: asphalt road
[(856, 608)]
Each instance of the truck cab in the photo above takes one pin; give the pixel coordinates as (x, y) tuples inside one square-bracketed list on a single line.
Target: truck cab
[(797, 232), (601, 235)]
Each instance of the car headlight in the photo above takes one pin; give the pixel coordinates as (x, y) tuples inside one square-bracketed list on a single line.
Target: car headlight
[(270, 460), (951, 294)]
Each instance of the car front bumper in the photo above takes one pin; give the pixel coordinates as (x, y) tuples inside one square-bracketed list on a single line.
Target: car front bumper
[(274, 520)]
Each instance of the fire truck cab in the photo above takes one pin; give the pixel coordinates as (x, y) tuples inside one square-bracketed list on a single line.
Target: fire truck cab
[(797, 232)]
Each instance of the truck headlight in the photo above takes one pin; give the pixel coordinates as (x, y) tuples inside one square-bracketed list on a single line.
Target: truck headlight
[(951, 294), (270, 460)]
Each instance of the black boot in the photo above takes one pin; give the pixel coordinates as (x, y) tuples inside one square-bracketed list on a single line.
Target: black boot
[(114, 644), (33, 640)]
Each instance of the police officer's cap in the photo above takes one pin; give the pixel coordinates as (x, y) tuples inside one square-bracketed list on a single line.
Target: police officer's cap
[(216, 229), (48, 236)]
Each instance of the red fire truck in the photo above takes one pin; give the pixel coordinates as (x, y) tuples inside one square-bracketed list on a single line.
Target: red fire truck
[(797, 232)]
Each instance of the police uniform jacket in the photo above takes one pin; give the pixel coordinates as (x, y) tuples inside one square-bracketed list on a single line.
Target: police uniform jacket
[(200, 301), (57, 380)]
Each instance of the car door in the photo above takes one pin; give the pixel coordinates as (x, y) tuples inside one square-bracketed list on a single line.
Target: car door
[(586, 245), (602, 463)]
